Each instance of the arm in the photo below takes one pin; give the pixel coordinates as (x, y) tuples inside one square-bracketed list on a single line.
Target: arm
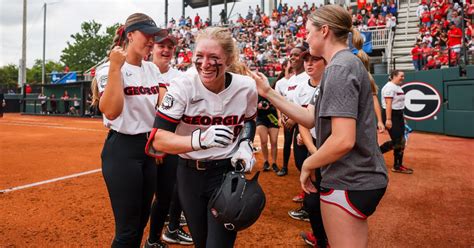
[(307, 139), (388, 112), (295, 112), (111, 102), (168, 142), (378, 113), (338, 144)]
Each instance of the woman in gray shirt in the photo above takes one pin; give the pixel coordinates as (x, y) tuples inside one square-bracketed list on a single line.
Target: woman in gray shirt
[(354, 176)]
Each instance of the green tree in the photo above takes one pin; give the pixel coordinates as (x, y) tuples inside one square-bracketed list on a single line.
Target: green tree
[(9, 76), (33, 75), (88, 47)]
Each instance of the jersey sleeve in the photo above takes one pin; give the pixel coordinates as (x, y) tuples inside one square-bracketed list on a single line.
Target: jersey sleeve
[(168, 115), (389, 92), (340, 96), (101, 76), (279, 85)]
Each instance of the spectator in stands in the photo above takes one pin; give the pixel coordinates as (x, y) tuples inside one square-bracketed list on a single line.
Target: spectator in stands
[(430, 64), (197, 19), (454, 38), (416, 57), (427, 39), (372, 22), (392, 9), (426, 18), (420, 9), (456, 19), (223, 16), (425, 52)]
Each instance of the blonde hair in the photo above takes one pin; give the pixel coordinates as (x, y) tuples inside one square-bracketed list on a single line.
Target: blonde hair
[(225, 40), (373, 85), (239, 68), (95, 92)]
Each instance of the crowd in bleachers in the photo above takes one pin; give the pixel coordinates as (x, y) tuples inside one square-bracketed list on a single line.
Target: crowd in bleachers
[(440, 37), (378, 14), (265, 40)]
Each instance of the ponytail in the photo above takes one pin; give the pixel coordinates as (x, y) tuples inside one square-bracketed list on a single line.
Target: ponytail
[(358, 42), (95, 92)]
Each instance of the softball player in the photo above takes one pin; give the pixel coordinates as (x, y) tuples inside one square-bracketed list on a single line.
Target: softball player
[(298, 78), (208, 118), (129, 92), (166, 196), (393, 103), (267, 126), (305, 96), (354, 177)]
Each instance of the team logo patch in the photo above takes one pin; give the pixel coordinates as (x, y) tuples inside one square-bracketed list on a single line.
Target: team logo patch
[(422, 101), (168, 101), (103, 81)]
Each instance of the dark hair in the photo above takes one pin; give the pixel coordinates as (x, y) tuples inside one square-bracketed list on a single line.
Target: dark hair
[(394, 73)]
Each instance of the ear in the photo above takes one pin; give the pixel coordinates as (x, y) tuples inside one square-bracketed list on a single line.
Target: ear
[(325, 30), (129, 35)]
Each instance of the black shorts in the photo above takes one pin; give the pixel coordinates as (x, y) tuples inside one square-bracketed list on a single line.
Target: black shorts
[(265, 121), (358, 203)]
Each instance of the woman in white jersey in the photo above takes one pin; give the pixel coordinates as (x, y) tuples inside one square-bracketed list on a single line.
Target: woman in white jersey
[(166, 196), (354, 177), (393, 103), (208, 118), (129, 92)]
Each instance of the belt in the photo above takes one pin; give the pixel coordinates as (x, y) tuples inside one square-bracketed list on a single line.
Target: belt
[(205, 165), (146, 135)]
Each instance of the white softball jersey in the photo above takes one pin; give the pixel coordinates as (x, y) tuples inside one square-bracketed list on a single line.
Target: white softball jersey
[(391, 90), (281, 86), (190, 105), (141, 89), (170, 75), (304, 95), (293, 83)]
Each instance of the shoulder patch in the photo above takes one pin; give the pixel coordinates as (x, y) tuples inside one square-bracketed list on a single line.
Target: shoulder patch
[(103, 81), (167, 102)]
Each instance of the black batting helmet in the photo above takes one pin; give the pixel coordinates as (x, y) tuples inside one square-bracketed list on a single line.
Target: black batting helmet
[(238, 203)]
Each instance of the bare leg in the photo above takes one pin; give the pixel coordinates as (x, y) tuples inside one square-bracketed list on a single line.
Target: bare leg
[(263, 134), (273, 132), (343, 229)]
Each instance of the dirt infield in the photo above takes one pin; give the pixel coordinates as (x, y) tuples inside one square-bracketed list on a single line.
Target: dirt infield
[(431, 208)]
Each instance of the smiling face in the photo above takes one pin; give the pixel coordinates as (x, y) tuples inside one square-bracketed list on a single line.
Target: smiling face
[(296, 60), (210, 61), (140, 43), (164, 51)]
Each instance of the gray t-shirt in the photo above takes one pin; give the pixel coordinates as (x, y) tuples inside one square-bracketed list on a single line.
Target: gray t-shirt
[(345, 92)]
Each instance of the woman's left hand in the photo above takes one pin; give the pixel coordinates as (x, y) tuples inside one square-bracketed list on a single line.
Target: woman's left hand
[(307, 177)]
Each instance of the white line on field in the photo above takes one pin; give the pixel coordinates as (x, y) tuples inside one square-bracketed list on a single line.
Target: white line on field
[(49, 181), (57, 127)]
